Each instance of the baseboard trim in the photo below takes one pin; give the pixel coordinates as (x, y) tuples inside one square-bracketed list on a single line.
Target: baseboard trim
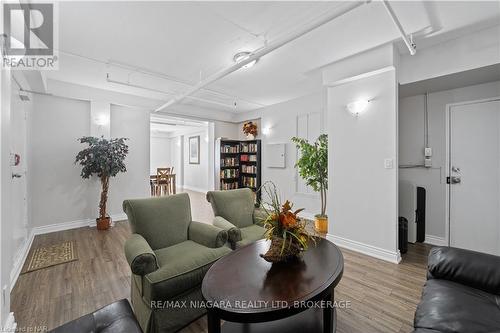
[(435, 240), (195, 189), (47, 229), (20, 258), (10, 324), (308, 216), (119, 217), (370, 250)]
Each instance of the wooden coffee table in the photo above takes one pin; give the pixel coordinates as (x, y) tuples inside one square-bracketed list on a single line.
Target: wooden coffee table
[(255, 296)]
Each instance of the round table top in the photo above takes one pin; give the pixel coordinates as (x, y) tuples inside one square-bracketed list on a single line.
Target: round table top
[(243, 282)]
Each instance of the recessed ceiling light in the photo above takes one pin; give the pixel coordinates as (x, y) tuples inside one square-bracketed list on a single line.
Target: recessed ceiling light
[(240, 56)]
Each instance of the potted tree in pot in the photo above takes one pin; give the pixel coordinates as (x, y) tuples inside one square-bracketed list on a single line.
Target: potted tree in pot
[(105, 159), (313, 168)]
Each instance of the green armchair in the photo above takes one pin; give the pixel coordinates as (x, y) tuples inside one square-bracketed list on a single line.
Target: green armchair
[(235, 212), (169, 255)]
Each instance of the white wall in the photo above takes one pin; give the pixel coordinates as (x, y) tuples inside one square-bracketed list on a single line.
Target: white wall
[(411, 146), (57, 192), (363, 194), (474, 50), (160, 152), (5, 195), (225, 130), (131, 123), (196, 175), (283, 121)]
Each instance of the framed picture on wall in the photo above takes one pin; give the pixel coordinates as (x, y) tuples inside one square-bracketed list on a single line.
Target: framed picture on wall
[(194, 149)]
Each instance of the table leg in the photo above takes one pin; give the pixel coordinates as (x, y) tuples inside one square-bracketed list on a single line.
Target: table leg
[(328, 315), (213, 322)]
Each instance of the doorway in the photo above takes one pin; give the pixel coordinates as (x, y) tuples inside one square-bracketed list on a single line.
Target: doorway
[(473, 175), (186, 146)]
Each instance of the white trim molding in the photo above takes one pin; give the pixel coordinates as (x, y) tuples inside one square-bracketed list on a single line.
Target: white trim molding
[(306, 215), (195, 189), (10, 324), (370, 250), (20, 258), (435, 240)]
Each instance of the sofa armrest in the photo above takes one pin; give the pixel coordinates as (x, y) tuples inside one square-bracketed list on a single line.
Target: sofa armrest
[(140, 256), (207, 234), (259, 216), (474, 269), (233, 233)]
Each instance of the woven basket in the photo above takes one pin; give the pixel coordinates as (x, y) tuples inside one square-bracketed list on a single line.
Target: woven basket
[(274, 254)]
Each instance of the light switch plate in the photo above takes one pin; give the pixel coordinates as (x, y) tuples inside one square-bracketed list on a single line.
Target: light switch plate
[(388, 163), (428, 152)]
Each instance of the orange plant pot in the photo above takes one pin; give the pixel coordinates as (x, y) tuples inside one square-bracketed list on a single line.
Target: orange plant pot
[(321, 224)]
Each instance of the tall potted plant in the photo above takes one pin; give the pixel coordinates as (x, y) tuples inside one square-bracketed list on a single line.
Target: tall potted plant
[(313, 168), (105, 159)]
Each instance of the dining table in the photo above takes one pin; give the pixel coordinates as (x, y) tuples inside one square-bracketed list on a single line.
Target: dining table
[(157, 185)]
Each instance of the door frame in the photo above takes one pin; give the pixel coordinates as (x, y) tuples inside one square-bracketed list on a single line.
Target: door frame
[(447, 167)]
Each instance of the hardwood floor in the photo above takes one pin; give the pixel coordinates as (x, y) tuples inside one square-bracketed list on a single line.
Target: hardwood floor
[(382, 296)]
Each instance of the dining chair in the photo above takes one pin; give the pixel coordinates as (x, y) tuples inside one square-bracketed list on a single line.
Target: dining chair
[(163, 181)]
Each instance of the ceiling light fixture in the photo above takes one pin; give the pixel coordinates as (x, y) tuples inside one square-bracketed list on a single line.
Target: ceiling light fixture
[(240, 56)]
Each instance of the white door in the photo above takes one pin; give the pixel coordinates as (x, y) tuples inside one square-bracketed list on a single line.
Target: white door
[(475, 176), (18, 148)]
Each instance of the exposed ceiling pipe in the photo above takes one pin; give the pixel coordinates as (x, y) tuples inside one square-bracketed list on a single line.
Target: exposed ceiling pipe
[(262, 52), (409, 43), (171, 93), (149, 72)]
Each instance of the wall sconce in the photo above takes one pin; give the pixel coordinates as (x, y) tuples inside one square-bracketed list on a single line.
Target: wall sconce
[(358, 107), (266, 130), (101, 120)]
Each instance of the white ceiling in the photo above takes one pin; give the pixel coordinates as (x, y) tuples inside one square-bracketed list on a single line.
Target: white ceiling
[(167, 46), (171, 126)]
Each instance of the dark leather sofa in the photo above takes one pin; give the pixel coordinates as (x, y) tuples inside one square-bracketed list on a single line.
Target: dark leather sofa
[(462, 293), (117, 317)]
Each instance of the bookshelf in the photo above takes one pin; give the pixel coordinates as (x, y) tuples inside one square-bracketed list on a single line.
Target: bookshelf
[(238, 165)]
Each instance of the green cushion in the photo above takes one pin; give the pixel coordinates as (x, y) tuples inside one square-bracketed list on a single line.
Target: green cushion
[(236, 206), (182, 267), (140, 256), (250, 234), (207, 234), (259, 216), (233, 233), (162, 221)]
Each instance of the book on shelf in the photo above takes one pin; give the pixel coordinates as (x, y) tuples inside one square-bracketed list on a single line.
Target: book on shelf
[(230, 149), (248, 147), (249, 181), (249, 169), (238, 165), (248, 158), (229, 161), (228, 186), (229, 173)]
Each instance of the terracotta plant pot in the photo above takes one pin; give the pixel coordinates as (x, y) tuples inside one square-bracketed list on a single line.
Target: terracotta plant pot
[(321, 224), (103, 224)]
